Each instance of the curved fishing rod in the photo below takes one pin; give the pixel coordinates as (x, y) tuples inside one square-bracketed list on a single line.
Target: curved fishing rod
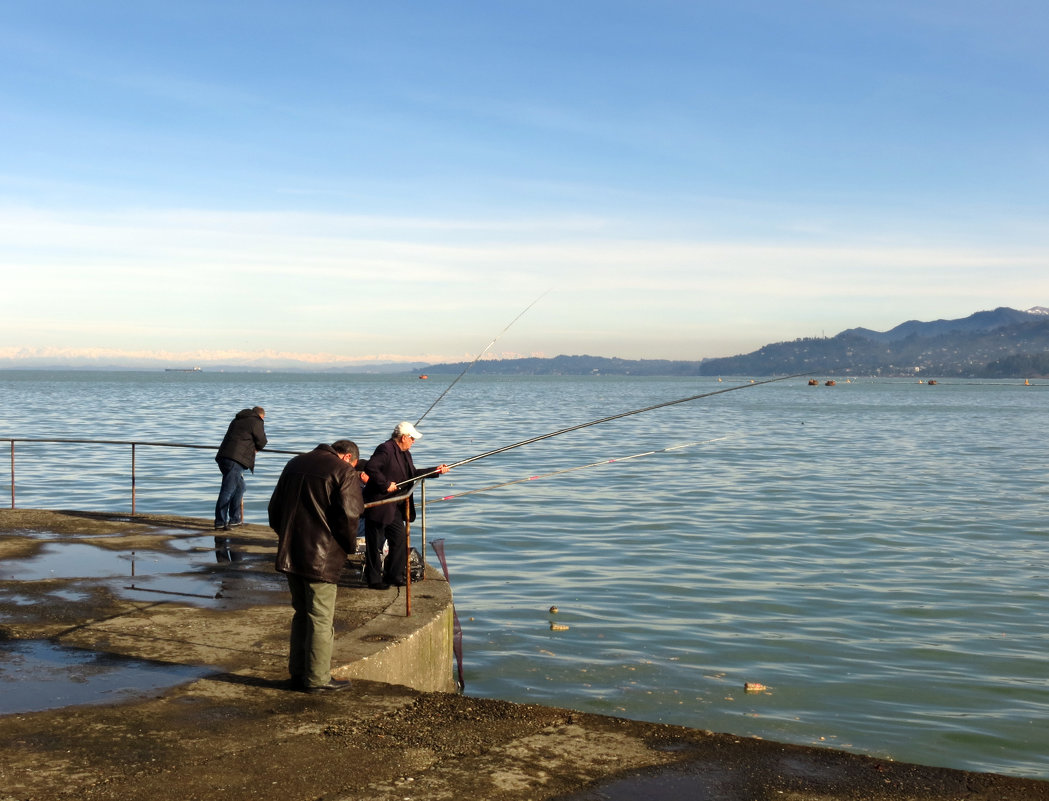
[(479, 355), (580, 467), (605, 420)]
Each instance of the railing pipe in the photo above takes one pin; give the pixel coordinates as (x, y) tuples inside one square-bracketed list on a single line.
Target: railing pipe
[(132, 478), (132, 443), (403, 496), (422, 526), (407, 560)]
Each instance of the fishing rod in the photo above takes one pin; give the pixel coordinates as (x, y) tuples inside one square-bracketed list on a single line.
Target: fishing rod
[(581, 467), (604, 420), (479, 355)]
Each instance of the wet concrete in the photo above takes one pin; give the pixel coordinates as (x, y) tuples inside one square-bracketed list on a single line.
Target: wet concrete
[(239, 733), (175, 592)]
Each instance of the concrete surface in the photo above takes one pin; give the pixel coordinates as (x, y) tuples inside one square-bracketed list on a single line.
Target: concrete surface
[(240, 623), (240, 733)]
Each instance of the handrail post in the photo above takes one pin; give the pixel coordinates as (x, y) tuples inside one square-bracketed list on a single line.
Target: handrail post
[(12, 474), (407, 558), (132, 479), (422, 527)]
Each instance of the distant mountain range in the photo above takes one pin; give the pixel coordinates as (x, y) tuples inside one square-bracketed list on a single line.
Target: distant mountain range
[(1003, 343)]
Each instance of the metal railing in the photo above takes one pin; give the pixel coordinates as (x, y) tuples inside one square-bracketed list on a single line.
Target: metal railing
[(134, 444)]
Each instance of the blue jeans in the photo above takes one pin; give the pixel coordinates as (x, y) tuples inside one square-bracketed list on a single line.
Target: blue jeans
[(227, 510)]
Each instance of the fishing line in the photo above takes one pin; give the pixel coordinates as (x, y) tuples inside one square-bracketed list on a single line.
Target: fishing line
[(581, 467), (604, 420), (479, 355)]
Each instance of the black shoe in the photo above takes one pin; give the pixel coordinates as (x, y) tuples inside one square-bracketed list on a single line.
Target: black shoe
[(332, 686), (297, 683), (378, 586)]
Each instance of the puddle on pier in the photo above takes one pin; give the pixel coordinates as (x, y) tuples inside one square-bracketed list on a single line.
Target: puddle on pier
[(63, 579), (206, 571), (40, 675)]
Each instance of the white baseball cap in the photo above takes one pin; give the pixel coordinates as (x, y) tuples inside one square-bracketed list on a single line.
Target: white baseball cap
[(406, 428)]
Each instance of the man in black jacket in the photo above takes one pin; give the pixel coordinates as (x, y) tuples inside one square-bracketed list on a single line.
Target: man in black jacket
[(245, 436), (314, 510), (391, 465)]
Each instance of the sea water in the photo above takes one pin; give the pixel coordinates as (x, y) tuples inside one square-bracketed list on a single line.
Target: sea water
[(874, 553)]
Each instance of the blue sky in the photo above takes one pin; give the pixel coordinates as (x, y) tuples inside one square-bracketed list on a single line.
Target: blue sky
[(349, 181)]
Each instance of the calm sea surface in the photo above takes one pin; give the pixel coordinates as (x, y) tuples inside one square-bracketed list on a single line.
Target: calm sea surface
[(874, 553)]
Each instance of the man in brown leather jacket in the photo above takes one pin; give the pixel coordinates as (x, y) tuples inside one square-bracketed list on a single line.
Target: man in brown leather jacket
[(314, 510)]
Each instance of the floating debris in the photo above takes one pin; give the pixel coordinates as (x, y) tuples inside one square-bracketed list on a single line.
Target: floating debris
[(754, 687), (558, 627)]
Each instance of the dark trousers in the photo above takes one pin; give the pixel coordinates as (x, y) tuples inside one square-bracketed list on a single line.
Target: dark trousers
[(312, 631), (375, 534)]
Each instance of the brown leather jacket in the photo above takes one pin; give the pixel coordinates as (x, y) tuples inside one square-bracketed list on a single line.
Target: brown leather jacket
[(314, 510)]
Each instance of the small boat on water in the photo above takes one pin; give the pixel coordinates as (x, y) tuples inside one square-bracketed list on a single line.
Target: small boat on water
[(423, 377)]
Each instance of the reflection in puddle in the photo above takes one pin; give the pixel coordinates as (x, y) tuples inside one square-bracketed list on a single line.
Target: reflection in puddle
[(31, 600), (210, 572), (204, 571), (66, 560), (48, 676)]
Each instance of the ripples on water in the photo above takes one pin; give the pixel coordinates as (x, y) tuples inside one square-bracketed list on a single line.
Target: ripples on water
[(874, 553)]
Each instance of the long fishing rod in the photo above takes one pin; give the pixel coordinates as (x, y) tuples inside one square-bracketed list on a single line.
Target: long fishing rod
[(579, 467), (479, 355), (557, 433)]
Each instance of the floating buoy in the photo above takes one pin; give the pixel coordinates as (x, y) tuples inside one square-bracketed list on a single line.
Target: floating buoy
[(553, 610), (831, 383), (813, 382), (1027, 382), (932, 381), (423, 377)]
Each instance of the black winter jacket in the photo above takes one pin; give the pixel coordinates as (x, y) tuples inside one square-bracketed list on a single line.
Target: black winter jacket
[(314, 510), (246, 435), (390, 464)]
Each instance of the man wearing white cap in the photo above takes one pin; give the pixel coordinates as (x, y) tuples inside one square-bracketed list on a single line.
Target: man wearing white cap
[(391, 465)]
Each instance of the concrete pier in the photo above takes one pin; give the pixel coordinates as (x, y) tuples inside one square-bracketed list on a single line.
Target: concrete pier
[(240, 733)]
